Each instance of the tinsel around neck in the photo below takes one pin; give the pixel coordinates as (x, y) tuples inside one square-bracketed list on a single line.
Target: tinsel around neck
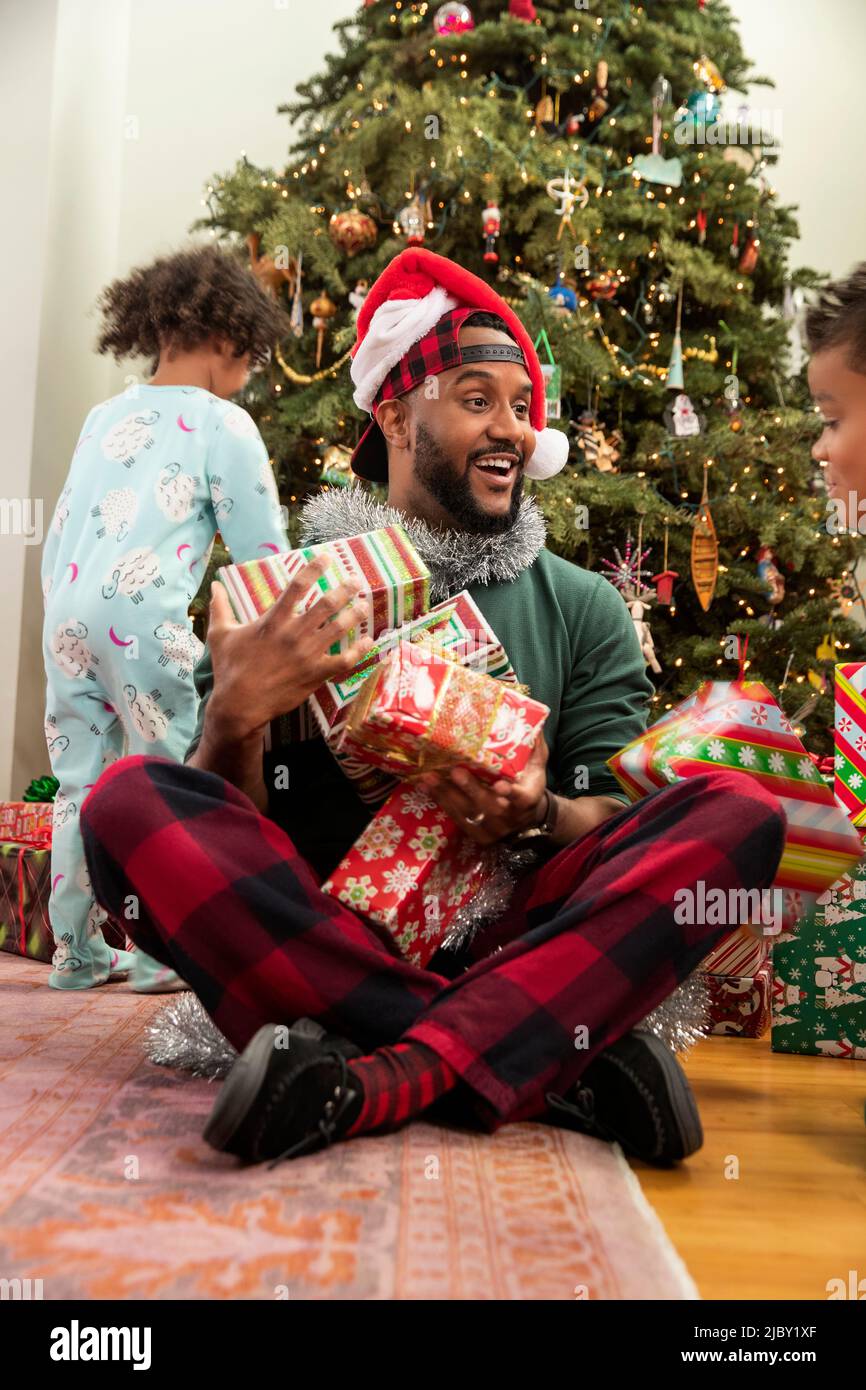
[(455, 559)]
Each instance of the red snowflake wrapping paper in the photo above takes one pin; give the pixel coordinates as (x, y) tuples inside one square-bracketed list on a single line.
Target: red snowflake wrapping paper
[(410, 871), (421, 711)]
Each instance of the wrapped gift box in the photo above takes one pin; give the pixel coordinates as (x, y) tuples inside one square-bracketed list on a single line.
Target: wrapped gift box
[(396, 581), (738, 977), (740, 1004), (25, 887), (850, 739), (819, 984), (26, 822), (421, 711), (456, 626), (410, 871), (739, 726)]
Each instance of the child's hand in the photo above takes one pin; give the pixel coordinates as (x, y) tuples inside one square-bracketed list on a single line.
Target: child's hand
[(268, 667)]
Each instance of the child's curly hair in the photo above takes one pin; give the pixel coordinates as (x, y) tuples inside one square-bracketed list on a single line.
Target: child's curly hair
[(180, 301), (839, 318)]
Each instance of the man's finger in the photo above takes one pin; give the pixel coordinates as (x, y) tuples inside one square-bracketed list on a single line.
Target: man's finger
[(299, 587), (220, 613)]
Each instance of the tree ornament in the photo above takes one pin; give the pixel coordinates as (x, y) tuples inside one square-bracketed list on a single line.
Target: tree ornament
[(703, 107), (522, 9), (296, 313), (544, 112), (352, 231), (705, 552), (357, 297), (793, 305), (337, 466), (599, 104), (654, 167), (269, 274), (701, 224), (552, 373), (826, 650), (749, 258), (637, 608), (490, 222), (563, 297), (625, 575), (567, 192), (453, 19), (706, 71), (681, 418), (596, 447), (734, 247), (664, 582), (602, 285), (323, 310), (770, 576), (412, 222)]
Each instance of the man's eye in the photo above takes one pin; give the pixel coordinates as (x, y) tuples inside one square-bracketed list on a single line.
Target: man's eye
[(521, 405)]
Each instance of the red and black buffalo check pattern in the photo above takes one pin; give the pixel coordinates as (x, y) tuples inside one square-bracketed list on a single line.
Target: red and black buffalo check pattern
[(589, 941)]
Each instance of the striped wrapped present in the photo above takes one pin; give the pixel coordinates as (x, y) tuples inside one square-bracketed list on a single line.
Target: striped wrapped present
[(739, 726), (850, 740), (396, 581)]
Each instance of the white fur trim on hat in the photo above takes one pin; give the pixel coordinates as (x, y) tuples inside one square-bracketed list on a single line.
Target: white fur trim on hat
[(549, 456), (396, 326)]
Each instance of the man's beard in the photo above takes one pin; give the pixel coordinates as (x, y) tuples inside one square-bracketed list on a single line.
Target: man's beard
[(436, 471)]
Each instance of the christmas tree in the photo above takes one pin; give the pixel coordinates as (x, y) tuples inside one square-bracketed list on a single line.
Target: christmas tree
[(585, 160)]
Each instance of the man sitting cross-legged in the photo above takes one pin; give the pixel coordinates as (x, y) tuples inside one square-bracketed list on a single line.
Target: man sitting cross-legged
[(225, 860)]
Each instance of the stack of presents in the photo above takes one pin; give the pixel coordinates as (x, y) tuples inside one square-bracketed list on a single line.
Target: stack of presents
[(437, 689)]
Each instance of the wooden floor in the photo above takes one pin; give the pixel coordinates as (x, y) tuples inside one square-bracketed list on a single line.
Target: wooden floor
[(796, 1215)]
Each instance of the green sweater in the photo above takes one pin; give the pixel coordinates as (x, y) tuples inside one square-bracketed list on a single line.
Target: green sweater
[(570, 638)]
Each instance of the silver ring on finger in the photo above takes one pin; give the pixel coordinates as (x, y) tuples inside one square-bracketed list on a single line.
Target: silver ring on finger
[(475, 820)]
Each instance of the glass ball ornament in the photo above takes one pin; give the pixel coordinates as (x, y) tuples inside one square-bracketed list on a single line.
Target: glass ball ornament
[(704, 107), (453, 18)]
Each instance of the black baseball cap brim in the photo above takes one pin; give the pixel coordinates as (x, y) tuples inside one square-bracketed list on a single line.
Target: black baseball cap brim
[(370, 456)]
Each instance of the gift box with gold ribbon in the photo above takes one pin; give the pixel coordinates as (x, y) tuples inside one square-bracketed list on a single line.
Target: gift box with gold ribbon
[(421, 711)]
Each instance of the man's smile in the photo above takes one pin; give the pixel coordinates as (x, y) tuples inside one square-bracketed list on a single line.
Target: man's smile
[(498, 470)]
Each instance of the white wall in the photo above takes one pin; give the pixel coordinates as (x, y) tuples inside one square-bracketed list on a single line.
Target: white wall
[(122, 109), (816, 55)]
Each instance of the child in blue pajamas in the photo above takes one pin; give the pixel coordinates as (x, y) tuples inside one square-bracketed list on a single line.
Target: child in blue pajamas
[(156, 472)]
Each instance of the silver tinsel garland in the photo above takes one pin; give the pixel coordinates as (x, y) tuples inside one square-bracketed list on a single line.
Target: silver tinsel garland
[(183, 1035), (455, 559)]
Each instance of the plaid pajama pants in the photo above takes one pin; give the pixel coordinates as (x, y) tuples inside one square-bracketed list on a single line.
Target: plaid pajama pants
[(587, 948)]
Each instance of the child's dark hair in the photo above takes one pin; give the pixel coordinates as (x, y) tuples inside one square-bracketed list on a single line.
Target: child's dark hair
[(839, 318), (180, 301)]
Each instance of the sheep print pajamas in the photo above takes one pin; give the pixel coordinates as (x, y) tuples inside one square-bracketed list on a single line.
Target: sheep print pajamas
[(156, 472)]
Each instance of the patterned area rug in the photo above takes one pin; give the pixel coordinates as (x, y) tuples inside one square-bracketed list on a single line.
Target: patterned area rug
[(109, 1192)]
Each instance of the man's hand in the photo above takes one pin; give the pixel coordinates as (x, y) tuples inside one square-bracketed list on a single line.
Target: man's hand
[(268, 667), (506, 807)]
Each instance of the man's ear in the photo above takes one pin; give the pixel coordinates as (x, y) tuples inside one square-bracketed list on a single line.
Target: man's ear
[(392, 417)]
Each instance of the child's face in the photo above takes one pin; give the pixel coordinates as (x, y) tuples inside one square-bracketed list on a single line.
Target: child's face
[(840, 394)]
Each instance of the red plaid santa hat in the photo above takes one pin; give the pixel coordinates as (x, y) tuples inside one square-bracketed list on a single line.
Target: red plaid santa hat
[(408, 330)]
